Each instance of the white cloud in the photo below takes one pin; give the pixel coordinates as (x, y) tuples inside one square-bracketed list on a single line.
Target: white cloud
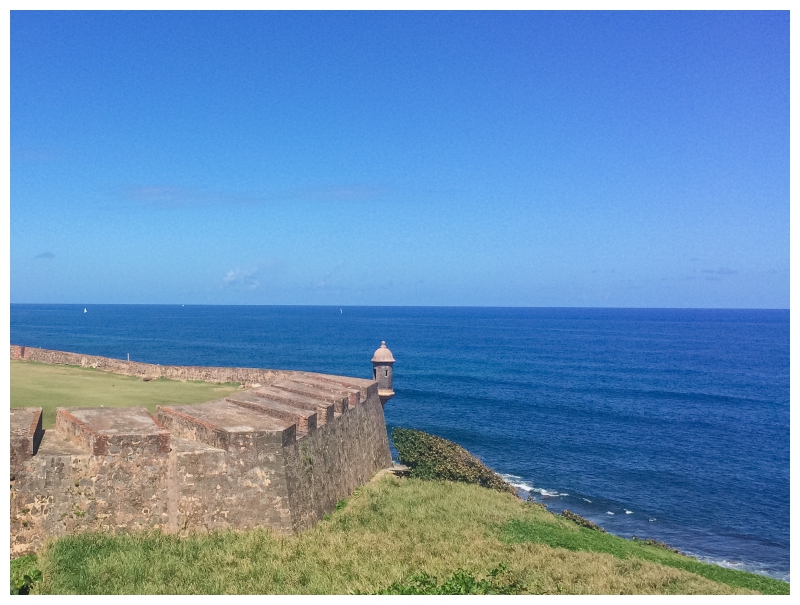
[(239, 277), (247, 278)]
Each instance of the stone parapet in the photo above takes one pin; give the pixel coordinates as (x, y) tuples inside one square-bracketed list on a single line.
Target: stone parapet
[(368, 388), (226, 425), (26, 434), (117, 432), (324, 409), (280, 455), (305, 420), (353, 394), (148, 371), (339, 399)]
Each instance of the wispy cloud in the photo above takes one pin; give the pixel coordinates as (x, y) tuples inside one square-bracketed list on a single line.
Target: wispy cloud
[(47, 255), (249, 278), (720, 271), (239, 276), (717, 274), (330, 275), (186, 197)]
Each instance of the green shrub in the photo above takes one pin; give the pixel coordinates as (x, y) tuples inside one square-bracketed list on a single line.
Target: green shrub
[(431, 457), (577, 519), (461, 582), (652, 542), (24, 574)]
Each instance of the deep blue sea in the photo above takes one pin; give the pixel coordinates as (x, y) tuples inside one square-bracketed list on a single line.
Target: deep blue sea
[(663, 423)]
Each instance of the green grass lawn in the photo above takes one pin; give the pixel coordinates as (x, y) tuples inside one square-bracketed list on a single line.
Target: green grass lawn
[(51, 386), (389, 533)]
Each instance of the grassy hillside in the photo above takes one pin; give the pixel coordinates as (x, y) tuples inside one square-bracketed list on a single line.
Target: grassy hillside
[(394, 532), (51, 386)]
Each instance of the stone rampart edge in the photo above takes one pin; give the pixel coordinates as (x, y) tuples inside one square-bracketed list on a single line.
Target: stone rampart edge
[(96, 444), (247, 376), (35, 432)]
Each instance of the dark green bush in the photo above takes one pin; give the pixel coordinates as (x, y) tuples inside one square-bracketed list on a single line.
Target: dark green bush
[(24, 574), (461, 582), (651, 542), (434, 458), (581, 521)]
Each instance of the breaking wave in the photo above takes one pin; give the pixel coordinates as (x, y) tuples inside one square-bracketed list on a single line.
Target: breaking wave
[(752, 567), (517, 482)]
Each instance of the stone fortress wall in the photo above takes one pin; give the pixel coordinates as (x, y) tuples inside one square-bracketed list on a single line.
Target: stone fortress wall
[(279, 454), (149, 371)]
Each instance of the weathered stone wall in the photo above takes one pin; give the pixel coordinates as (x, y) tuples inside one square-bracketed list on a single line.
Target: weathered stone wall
[(194, 501), (245, 376), (330, 463), (26, 435), (258, 458), (64, 489), (250, 491)]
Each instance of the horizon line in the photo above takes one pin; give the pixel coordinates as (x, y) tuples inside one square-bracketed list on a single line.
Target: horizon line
[(343, 306)]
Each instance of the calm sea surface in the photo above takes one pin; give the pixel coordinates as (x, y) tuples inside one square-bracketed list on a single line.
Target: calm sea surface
[(667, 424)]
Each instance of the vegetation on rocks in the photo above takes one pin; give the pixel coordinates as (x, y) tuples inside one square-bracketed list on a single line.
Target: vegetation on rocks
[(433, 458), (656, 543), (577, 519)]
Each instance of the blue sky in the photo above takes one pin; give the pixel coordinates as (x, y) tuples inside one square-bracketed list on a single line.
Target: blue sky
[(498, 159)]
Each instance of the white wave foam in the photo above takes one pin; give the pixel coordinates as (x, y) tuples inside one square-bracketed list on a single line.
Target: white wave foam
[(752, 567), (523, 486), (609, 513), (546, 493), (516, 481), (586, 500)]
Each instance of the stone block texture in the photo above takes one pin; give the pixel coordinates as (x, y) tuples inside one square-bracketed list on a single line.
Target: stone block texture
[(280, 455)]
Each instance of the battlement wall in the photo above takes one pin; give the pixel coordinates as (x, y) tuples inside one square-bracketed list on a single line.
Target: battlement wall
[(277, 455), (245, 376)]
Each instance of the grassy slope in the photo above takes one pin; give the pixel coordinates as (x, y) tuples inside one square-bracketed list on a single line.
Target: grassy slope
[(389, 530), (578, 538), (51, 386)]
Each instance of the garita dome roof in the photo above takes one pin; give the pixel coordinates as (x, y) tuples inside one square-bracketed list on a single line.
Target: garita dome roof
[(383, 354)]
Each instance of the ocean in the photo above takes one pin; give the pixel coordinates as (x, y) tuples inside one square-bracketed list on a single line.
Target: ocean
[(671, 424)]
